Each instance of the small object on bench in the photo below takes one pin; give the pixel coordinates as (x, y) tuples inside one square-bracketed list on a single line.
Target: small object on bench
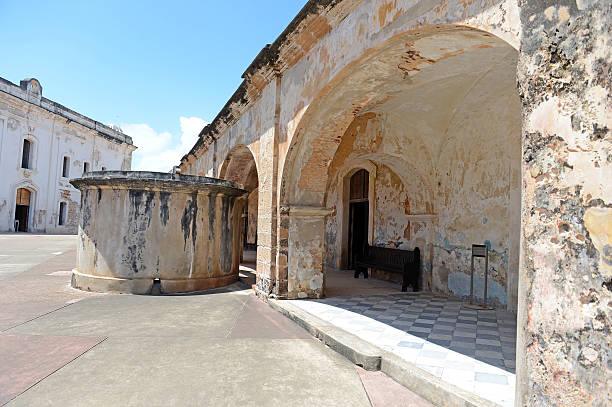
[(405, 262)]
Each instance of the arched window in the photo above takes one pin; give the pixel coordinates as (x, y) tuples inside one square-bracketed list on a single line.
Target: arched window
[(85, 167), (26, 154)]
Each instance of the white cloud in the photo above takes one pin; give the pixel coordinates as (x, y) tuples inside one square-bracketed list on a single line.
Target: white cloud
[(161, 151)]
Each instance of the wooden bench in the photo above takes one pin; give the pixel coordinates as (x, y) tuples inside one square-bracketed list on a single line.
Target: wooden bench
[(404, 262)]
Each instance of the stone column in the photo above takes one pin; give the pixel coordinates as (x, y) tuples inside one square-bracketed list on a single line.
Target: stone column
[(564, 76), (306, 252), (268, 206)]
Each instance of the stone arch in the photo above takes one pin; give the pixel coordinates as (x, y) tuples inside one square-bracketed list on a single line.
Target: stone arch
[(240, 166), (337, 199), (327, 115), (33, 189), (428, 82), (237, 164)]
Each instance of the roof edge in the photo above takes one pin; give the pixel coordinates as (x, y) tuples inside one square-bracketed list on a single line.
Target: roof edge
[(266, 61), (20, 92)]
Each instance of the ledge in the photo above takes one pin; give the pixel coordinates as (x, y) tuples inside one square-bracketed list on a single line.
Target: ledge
[(70, 115), (348, 345), (373, 358), (155, 181), (306, 210)]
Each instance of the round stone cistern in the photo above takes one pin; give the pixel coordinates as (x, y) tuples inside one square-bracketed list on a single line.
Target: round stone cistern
[(148, 232)]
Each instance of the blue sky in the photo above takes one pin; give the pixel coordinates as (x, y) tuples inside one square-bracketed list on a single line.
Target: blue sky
[(159, 69)]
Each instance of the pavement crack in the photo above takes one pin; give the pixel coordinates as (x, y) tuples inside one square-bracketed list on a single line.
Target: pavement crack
[(237, 317), (36, 317), (363, 386), (56, 370)]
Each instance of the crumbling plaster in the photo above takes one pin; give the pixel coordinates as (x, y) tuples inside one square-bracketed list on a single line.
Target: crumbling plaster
[(306, 77), (340, 60), (565, 295)]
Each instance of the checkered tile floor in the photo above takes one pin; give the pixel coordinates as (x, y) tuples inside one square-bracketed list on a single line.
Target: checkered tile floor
[(488, 336), (471, 349)]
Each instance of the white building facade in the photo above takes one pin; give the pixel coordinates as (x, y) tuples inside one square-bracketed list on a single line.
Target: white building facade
[(42, 146)]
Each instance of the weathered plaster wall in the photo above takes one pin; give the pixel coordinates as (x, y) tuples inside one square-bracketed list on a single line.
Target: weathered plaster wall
[(357, 27), (330, 66), (397, 203), (459, 170), (565, 288), (478, 191), (299, 69)]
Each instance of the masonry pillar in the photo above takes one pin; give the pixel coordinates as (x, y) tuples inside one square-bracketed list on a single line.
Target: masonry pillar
[(564, 75), (266, 283), (266, 225), (306, 251)]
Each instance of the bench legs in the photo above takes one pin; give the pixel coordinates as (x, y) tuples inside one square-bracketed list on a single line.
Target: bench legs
[(406, 281)]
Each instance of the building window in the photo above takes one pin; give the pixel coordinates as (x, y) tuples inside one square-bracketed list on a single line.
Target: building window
[(62, 213), (66, 167), (103, 168), (26, 154), (85, 167)]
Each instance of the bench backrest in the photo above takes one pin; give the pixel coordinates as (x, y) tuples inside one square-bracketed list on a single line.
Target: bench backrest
[(396, 257)]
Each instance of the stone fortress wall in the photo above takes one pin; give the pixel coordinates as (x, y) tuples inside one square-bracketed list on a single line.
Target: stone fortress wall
[(478, 122)]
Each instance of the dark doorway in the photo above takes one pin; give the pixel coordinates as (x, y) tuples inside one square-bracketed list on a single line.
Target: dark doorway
[(359, 210), (22, 210), (21, 215)]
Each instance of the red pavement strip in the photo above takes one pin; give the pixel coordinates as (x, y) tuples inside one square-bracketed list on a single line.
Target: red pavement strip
[(386, 392), (34, 293), (27, 359), (258, 320)]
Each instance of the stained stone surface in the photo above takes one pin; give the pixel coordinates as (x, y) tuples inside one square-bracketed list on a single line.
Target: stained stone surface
[(146, 232)]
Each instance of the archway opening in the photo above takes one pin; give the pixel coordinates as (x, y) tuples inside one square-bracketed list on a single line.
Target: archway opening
[(239, 166), (435, 118), (22, 209)]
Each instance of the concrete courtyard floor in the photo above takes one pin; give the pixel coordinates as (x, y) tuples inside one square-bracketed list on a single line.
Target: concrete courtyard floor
[(63, 347)]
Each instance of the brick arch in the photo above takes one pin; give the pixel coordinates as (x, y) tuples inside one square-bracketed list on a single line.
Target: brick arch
[(238, 165)]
